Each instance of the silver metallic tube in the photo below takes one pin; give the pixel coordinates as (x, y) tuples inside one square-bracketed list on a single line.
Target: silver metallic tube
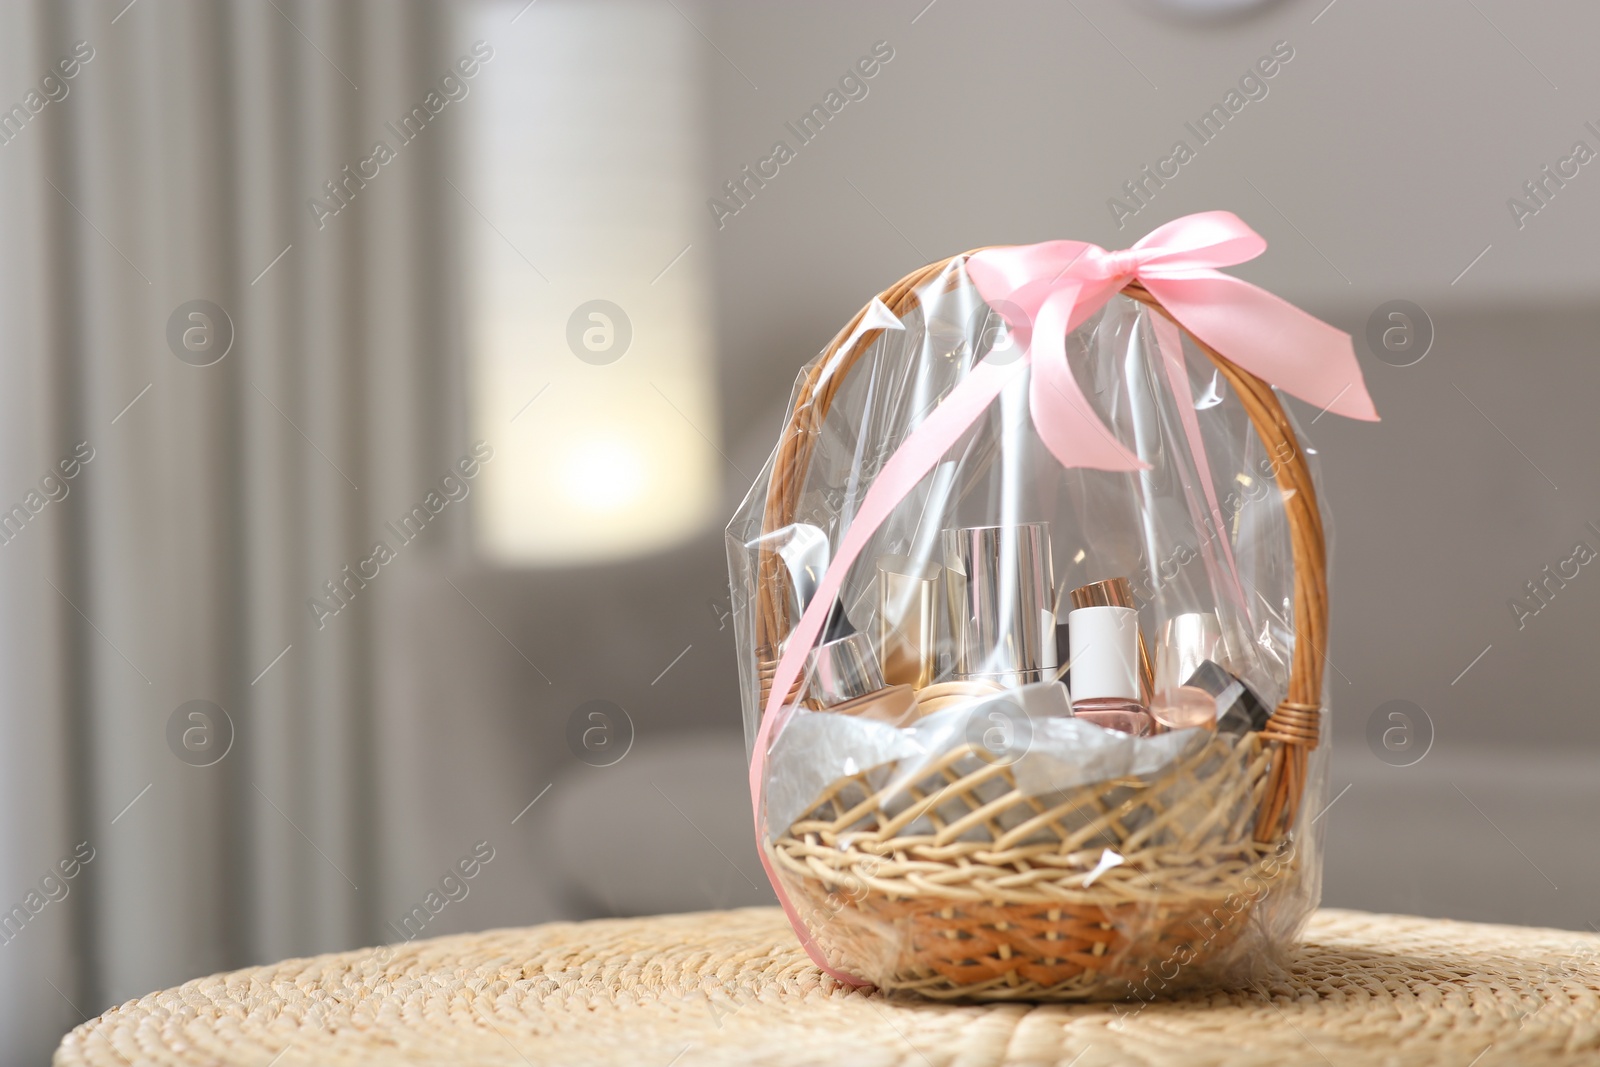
[(843, 670), (999, 581)]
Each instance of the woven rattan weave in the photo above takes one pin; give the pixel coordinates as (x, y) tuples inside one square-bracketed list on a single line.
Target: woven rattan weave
[(731, 989)]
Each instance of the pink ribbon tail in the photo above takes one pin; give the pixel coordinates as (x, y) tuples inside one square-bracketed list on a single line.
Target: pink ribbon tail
[(1169, 343), (1270, 338), (1062, 417), (911, 462)]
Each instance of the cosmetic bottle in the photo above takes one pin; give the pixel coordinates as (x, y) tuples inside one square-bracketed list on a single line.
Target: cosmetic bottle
[(941, 695), (909, 605), (1118, 593), (844, 678), (1186, 642), (1238, 709), (1184, 706), (1105, 668), (804, 550), (998, 582)]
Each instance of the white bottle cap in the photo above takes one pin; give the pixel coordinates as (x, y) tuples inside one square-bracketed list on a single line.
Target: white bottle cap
[(1104, 642)]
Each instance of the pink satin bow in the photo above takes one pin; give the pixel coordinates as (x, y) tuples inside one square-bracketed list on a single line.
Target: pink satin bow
[(1044, 292)]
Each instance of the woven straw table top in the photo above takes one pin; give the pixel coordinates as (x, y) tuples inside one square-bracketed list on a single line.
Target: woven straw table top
[(735, 988)]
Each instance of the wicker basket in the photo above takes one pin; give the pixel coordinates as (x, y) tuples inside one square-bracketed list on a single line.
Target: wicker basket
[(962, 886)]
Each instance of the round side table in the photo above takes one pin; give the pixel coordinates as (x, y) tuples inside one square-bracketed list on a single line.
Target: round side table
[(735, 988)]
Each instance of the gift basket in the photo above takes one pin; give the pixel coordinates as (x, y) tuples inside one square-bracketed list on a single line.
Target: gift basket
[(1031, 607)]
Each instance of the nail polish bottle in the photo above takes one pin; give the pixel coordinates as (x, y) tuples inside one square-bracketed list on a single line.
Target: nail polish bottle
[(1105, 668), (1118, 592)]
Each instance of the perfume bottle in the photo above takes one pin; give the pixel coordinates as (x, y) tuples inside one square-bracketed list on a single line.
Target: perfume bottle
[(1105, 669), (844, 678), (1187, 641), (1183, 707)]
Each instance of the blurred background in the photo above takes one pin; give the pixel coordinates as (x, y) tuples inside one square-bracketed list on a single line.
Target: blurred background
[(487, 284)]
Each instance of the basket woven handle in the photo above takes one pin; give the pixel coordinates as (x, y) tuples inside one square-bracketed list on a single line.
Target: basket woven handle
[(1295, 726)]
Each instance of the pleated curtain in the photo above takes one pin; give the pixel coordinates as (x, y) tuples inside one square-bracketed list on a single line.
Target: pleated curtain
[(219, 498)]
